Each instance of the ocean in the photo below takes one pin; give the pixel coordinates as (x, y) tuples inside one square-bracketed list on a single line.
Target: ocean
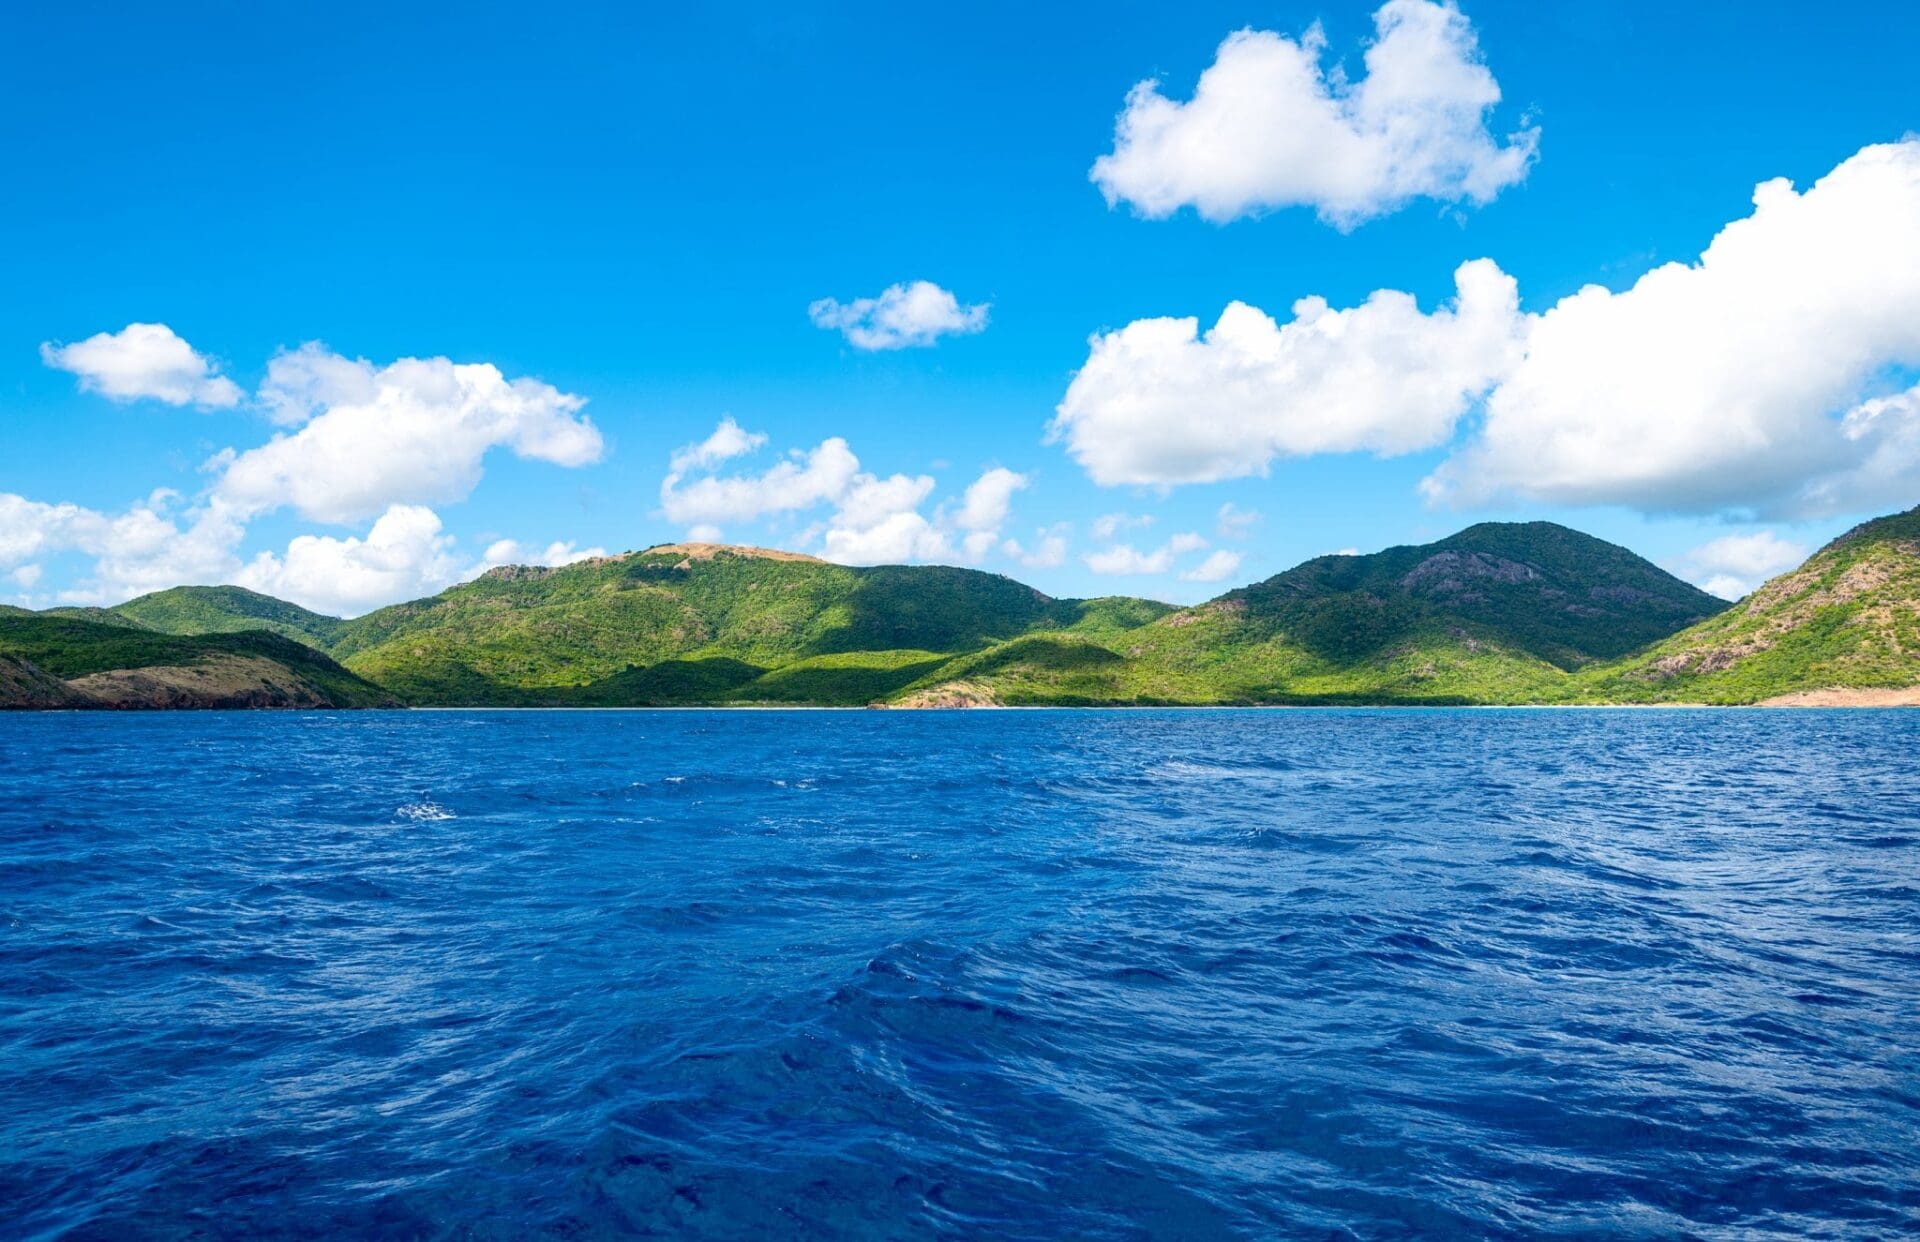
[(1016, 975)]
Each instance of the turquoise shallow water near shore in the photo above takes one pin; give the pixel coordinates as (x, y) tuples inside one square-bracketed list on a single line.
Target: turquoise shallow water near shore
[(1025, 974)]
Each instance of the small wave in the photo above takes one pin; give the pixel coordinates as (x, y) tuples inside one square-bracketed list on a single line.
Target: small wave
[(424, 811)]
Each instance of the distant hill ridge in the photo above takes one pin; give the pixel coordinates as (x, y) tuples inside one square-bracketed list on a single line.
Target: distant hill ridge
[(1498, 613)]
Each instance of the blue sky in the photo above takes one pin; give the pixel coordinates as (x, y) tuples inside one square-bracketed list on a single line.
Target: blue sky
[(638, 208)]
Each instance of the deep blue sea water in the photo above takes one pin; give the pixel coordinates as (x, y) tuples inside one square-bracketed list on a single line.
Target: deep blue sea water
[(1015, 975)]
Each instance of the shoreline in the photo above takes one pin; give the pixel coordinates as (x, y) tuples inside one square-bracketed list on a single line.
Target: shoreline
[(1181, 707), (1807, 700)]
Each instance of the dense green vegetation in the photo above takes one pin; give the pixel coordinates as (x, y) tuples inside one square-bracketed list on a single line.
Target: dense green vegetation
[(1554, 593), (1496, 613), (226, 610), (688, 623), (72, 649), (1499, 613), (1849, 618)]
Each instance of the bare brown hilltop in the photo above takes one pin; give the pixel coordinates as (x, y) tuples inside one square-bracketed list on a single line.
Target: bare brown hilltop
[(707, 551), (687, 552)]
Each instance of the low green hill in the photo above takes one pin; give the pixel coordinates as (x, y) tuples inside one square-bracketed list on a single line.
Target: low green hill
[(1499, 613), (226, 610), (117, 666), (703, 623), (1848, 619)]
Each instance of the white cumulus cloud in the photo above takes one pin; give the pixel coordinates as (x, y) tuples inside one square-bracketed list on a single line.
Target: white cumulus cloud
[(1270, 126), (1048, 550), (1126, 559), (1216, 567), (1740, 382), (1760, 381), (802, 481), (412, 432), (1733, 565), (918, 313), (874, 519), (144, 360), (147, 547), (983, 508), (150, 546), (727, 441), (403, 555), (513, 552), (1158, 403), (879, 521), (362, 442)]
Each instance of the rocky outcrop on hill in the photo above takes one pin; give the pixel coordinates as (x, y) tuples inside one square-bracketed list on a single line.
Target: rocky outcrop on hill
[(226, 681), (24, 685)]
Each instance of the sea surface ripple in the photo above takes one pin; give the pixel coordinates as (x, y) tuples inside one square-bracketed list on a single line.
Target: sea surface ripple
[(1021, 975)]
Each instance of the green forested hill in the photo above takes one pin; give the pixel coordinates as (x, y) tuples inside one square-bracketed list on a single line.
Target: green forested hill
[(1848, 619), (63, 661), (702, 623), (1499, 613), (1554, 593), (225, 610)]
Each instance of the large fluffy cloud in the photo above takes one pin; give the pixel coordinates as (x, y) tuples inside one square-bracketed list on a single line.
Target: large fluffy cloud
[(802, 481), (1735, 382), (154, 544), (147, 547), (878, 521), (144, 360), (919, 313), (404, 554), (983, 509), (873, 519), (1754, 381), (1268, 126), (412, 432), (366, 442), (1159, 403)]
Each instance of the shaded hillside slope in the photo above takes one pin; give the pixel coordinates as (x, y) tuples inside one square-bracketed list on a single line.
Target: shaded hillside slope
[(54, 661), (1849, 618)]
